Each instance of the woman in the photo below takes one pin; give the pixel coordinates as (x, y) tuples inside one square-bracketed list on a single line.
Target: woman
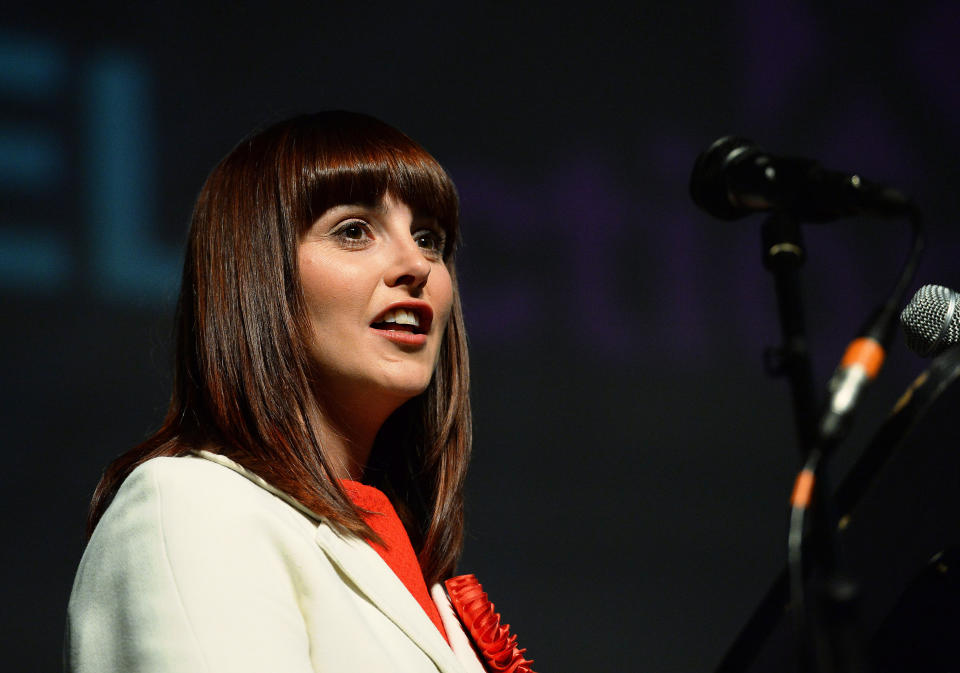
[(320, 344)]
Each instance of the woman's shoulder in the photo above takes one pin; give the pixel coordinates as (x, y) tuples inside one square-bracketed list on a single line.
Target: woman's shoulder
[(190, 558), (188, 481), (199, 492), (186, 472)]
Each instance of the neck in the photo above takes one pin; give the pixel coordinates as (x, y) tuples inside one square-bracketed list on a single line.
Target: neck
[(347, 436)]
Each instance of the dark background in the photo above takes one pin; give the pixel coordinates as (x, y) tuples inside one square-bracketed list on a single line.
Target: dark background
[(627, 502)]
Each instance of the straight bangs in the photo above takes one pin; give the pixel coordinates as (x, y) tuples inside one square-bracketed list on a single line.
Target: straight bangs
[(347, 158)]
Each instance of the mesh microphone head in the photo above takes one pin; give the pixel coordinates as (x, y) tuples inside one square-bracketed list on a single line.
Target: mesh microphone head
[(931, 321)]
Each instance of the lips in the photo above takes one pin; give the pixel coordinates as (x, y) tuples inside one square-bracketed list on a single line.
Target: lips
[(409, 317)]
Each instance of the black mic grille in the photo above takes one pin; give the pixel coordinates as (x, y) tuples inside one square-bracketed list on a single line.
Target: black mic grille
[(708, 181), (930, 320)]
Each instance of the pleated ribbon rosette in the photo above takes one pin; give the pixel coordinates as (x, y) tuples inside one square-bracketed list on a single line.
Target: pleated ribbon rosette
[(493, 641)]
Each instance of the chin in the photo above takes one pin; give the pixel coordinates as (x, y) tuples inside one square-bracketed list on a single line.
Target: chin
[(405, 382), (406, 390)]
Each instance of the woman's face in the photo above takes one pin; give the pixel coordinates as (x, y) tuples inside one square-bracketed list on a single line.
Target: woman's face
[(378, 297)]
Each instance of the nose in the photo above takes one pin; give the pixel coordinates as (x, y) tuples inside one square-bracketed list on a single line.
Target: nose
[(408, 265)]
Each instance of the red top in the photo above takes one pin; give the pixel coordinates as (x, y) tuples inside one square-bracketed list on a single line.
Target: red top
[(398, 553)]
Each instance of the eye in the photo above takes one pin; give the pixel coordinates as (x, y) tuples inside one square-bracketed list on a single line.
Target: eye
[(352, 233), (431, 240)]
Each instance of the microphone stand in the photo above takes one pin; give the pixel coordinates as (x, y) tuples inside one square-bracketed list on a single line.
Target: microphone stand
[(726, 182), (783, 255), (825, 626)]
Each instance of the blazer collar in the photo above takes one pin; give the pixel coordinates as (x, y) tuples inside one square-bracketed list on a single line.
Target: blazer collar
[(368, 571)]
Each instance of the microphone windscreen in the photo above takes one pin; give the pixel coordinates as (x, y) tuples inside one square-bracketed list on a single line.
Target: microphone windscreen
[(708, 181), (930, 321)]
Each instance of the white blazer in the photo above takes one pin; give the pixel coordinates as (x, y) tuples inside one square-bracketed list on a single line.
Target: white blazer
[(199, 565)]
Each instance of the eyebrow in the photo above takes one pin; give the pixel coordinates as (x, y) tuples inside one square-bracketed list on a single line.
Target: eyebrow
[(376, 207), (379, 209)]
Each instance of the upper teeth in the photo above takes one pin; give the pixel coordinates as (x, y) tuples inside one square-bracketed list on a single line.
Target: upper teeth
[(401, 317)]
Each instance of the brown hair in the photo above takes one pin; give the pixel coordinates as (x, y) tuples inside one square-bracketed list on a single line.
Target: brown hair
[(242, 367)]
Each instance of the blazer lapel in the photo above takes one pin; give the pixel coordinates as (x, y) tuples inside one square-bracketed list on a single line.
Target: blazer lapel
[(360, 562), (459, 640)]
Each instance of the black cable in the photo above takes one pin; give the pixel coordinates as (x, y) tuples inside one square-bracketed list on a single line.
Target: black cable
[(880, 327)]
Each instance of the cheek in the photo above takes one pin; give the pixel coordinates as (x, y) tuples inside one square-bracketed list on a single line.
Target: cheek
[(328, 289), (443, 298)]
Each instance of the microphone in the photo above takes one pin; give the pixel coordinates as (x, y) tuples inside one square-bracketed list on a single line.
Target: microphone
[(930, 321), (734, 177)]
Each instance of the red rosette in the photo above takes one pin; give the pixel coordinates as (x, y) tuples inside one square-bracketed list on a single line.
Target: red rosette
[(493, 641)]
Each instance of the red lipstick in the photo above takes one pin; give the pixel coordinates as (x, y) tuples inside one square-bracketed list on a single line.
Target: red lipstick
[(401, 337), (399, 328)]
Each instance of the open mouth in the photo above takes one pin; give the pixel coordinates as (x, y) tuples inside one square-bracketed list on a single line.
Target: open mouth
[(404, 319)]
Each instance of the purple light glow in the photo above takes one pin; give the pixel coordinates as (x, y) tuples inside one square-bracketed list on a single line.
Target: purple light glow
[(781, 46)]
